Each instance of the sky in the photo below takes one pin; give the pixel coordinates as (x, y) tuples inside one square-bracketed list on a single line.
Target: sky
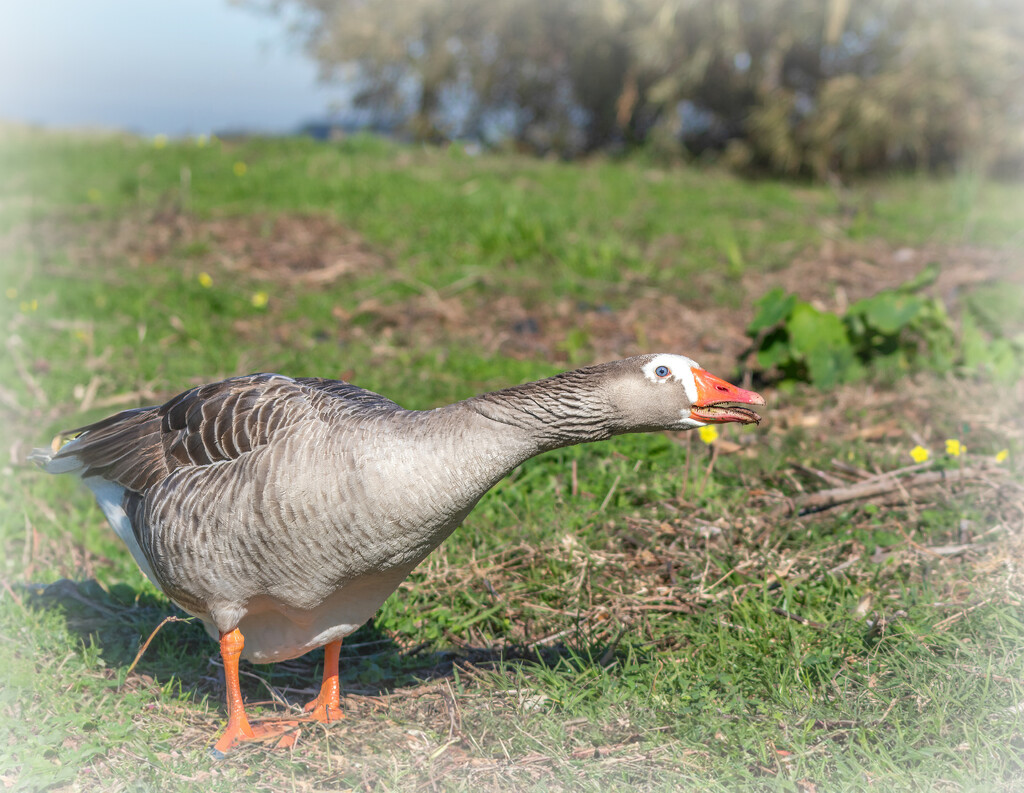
[(172, 67)]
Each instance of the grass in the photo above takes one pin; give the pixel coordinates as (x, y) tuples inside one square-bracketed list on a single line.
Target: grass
[(646, 613)]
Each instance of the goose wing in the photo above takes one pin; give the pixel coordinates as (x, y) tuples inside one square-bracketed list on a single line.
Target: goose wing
[(209, 424)]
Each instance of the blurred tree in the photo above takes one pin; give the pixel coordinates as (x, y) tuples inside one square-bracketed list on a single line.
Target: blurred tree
[(547, 74), (800, 85), (794, 86)]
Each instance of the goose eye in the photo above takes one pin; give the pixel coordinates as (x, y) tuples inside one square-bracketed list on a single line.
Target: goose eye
[(662, 371)]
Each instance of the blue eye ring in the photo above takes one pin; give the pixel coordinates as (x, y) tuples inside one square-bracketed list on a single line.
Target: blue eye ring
[(662, 371)]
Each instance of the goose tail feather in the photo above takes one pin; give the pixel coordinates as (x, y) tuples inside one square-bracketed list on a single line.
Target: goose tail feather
[(53, 463)]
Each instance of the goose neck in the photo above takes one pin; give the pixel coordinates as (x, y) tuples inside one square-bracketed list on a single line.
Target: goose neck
[(560, 411)]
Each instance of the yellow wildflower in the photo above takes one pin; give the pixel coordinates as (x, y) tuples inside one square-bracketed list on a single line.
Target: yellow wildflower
[(94, 195), (919, 453), (29, 305), (205, 280), (708, 433), (1002, 455), (159, 141), (259, 300), (11, 293), (201, 140), (240, 168), (954, 448)]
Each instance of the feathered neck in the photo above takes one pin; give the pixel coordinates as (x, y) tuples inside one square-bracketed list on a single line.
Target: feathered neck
[(569, 408)]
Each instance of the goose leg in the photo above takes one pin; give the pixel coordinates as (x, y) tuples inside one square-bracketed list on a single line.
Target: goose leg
[(239, 729), (327, 705)]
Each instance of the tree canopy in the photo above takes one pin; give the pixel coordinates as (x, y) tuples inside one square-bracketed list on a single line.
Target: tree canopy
[(792, 86)]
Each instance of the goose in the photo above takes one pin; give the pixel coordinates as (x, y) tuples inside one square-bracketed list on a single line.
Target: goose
[(283, 511)]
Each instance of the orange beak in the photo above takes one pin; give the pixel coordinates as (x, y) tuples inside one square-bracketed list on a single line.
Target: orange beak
[(719, 402)]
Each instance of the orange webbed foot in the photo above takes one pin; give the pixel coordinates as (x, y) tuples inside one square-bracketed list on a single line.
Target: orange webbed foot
[(327, 705), (239, 730), (324, 709), (278, 733), (282, 732)]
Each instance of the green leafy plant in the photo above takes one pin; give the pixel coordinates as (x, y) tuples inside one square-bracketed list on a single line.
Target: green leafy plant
[(895, 331)]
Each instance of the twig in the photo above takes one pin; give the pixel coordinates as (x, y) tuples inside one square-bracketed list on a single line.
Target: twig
[(728, 624), (707, 471), (852, 470), (611, 490), (38, 394), (145, 646), (13, 595), (10, 400), (89, 393), (882, 485), (666, 607), (797, 618), (941, 625), (275, 696), (451, 704), (546, 640), (943, 550), (843, 565), (609, 654), (831, 479), (136, 397), (686, 470)]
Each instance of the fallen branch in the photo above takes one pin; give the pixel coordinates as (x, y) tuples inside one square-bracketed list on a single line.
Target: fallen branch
[(827, 478), (888, 483)]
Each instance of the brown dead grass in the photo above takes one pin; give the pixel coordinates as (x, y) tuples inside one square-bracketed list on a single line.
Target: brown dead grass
[(288, 249)]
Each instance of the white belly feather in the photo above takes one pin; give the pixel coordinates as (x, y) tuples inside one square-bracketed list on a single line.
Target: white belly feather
[(274, 632)]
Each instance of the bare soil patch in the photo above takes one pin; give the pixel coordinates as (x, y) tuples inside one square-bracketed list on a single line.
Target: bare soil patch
[(291, 249)]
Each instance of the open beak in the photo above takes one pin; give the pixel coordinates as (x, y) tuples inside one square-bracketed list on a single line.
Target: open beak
[(719, 402)]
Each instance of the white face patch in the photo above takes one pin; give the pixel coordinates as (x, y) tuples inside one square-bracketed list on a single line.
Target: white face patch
[(681, 370)]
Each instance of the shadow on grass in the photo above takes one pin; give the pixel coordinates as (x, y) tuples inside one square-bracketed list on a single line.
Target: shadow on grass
[(120, 619)]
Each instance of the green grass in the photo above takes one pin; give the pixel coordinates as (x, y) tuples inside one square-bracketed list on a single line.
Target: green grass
[(611, 616)]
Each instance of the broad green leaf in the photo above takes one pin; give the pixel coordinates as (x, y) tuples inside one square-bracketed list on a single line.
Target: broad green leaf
[(772, 309), (775, 349), (888, 312), (820, 338)]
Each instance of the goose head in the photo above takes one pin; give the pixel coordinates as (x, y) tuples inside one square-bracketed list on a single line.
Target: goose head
[(673, 392)]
